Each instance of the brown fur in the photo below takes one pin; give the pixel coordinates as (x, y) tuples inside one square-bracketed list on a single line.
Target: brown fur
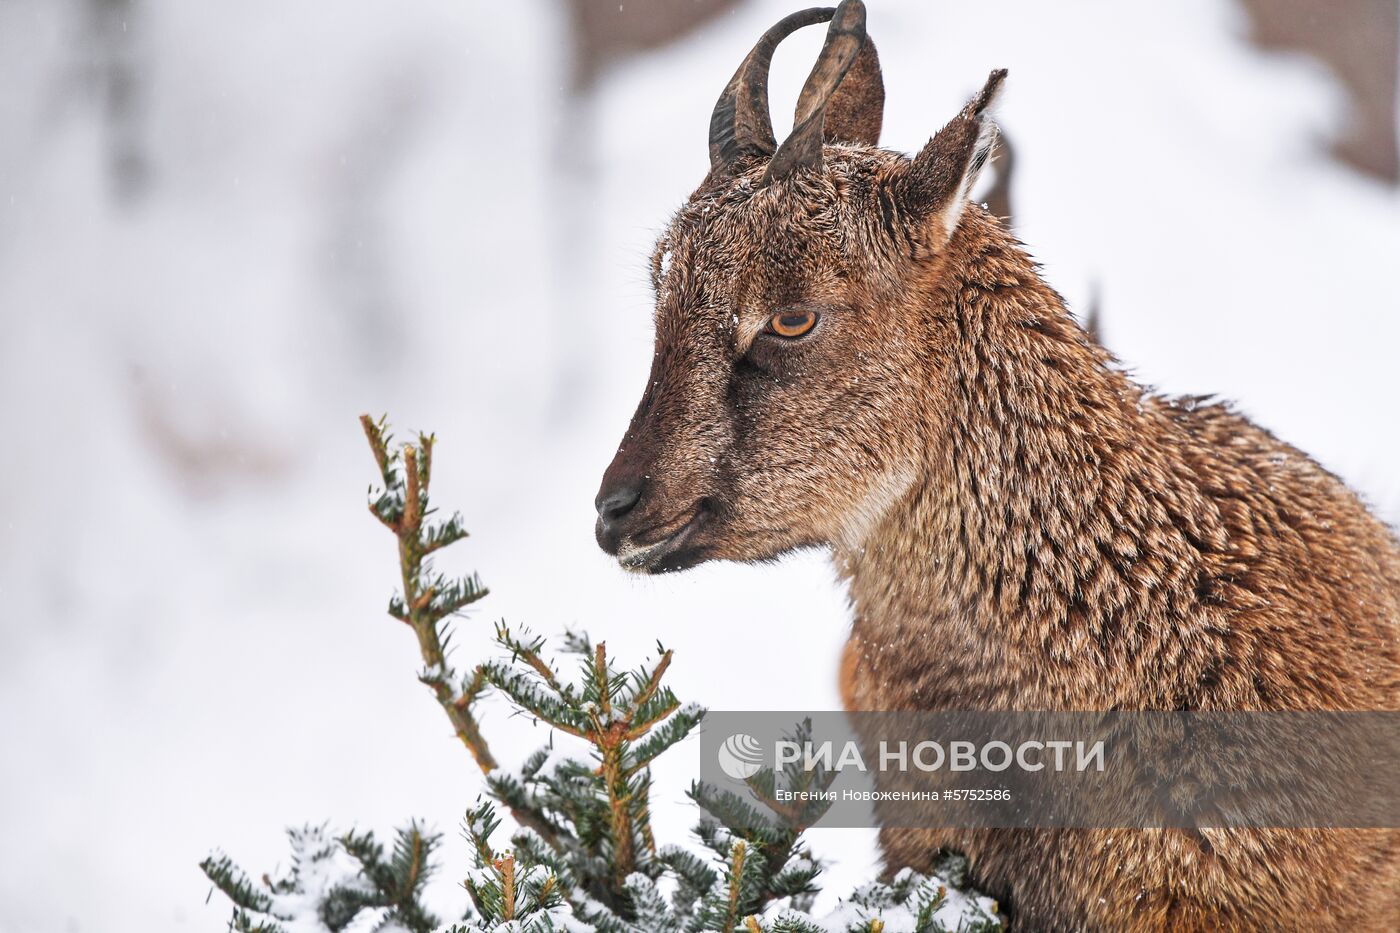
[(1020, 526)]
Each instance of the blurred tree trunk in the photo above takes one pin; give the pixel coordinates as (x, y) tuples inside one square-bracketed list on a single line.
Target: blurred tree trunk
[(602, 33), (116, 81), (607, 30), (1358, 41)]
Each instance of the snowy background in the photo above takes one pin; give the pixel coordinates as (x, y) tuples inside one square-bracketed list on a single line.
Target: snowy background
[(228, 229)]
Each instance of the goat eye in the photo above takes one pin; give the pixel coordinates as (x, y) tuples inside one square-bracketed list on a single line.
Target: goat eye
[(792, 323)]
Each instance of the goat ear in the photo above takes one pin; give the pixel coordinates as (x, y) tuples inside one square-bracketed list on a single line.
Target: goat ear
[(933, 189), (857, 108)]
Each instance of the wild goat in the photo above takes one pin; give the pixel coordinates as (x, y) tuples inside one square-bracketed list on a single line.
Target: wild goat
[(851, 355)]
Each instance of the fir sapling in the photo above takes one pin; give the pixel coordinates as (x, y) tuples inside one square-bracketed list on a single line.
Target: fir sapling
[(583, 857)]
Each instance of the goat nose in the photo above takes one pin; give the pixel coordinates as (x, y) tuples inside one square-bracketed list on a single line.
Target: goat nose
[(614, 503)]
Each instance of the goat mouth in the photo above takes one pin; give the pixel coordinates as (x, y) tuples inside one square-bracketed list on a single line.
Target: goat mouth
[(671, 551)]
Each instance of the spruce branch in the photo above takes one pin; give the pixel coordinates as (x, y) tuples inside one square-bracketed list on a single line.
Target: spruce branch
[(508, 888), (736, 885), (529, 652), (236, 885), (428, 599), (402, 506), (332, 881), (244, 922), (627, 720)]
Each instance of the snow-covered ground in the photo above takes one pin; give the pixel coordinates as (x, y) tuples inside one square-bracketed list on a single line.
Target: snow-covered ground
[(357, 207)]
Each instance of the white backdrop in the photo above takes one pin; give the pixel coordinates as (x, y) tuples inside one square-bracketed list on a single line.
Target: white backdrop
[(365, 207)]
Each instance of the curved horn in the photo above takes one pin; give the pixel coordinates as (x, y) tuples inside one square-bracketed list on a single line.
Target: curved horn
[(740, 124), (844, 40)]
